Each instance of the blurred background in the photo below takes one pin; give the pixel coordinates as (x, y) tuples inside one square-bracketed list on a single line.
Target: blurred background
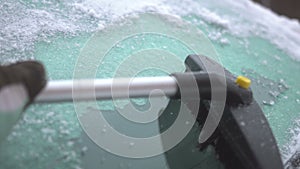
[(289, 8)]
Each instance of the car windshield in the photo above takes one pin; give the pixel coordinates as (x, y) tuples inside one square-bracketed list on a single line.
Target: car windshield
[(85, 39)]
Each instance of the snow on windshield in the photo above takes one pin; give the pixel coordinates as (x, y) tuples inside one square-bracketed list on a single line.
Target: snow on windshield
[(24, 22)]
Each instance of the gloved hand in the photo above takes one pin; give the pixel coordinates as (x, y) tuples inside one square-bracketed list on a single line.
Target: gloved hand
[(20, 83)]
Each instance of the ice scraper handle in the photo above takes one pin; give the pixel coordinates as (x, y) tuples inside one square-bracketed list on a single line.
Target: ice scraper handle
[(103, 89), (120, 88)]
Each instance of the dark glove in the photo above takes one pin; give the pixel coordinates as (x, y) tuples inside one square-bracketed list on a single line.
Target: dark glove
[(20, 83)]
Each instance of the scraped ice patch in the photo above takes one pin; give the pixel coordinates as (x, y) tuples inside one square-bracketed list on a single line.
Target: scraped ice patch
[(218, 36), (281, 31), (194, 7), (43, 139), (249, 20), (112, 10), (294, 144), (23, 24), (266, 90), (253, 19)]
